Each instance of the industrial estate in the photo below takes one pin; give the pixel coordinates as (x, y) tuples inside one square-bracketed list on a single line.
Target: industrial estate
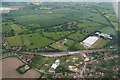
[(59, 40)]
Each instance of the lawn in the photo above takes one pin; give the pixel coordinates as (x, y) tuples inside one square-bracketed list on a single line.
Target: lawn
[(78, 36), (32, 41), (59, 46), (15, 40)]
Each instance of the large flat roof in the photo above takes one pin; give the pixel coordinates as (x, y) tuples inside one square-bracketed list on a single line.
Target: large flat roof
[(90, 41)]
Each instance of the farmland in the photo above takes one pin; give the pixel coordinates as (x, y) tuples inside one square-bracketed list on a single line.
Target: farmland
[(15, 40), (39, 26), (35, 41)]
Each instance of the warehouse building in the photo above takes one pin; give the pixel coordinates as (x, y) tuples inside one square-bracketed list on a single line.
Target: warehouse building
[(88, 42)]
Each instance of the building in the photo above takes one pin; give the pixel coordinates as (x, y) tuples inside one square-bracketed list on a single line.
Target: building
[(54, 66), (87, 43), (103, 35)]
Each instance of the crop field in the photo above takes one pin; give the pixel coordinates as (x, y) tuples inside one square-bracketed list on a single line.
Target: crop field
[(36, 41), (93, 28), (56, 35), (6, 28), (59, 46), (16, 28), (15, 40), (40, 25), (108, 30), (86, 23), (77, 36), (10, 66)]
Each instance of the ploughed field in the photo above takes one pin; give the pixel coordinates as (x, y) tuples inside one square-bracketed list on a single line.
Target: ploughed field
[(44, 26)]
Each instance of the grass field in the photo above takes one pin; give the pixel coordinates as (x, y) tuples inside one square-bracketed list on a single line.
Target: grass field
[(16, 28), (87, 23), (100, 43), (6, 28), (59, 46), (69, 43), (108, 30), (35, 41), (77, 36), (56, 35), (15, 40)]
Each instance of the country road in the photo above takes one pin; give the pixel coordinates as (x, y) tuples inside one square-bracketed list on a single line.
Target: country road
[(56, 54)]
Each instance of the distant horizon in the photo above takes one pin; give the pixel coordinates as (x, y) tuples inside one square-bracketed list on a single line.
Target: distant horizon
[(61, 1)]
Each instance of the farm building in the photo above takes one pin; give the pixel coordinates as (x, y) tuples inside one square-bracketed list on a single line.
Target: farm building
[(54, 66), (104, 35), (89, 41)]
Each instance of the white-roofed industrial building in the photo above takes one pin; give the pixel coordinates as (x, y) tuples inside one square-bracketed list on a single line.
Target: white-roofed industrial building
[(54, 66), (88, 42)]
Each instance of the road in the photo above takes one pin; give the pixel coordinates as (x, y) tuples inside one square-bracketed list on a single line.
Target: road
[(56, 54)]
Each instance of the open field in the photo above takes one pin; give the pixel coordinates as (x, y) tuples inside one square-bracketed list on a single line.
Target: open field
[(69, 43), (59, 46), (108, 30), (56, 35), (6, 28), (32, 41), (100, 43), (10, 66), (15, 40), (78, 36), (16, 28)]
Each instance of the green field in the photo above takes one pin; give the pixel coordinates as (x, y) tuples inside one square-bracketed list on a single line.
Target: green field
[(56, 35), (32, 41), (69, 43), (100, 43), (6, 28), (108, 30), (59, 46), (16, 28), (15, 40), (78, 36), (87, 23)]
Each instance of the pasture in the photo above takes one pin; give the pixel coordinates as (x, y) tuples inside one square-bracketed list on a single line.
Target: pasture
[(108, 30), (78, 36), (32, 41), (57, 35), (59, 46), (6, 28), (15, 40)]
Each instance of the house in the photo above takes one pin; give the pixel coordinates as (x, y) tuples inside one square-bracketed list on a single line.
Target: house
[(88, 42)]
